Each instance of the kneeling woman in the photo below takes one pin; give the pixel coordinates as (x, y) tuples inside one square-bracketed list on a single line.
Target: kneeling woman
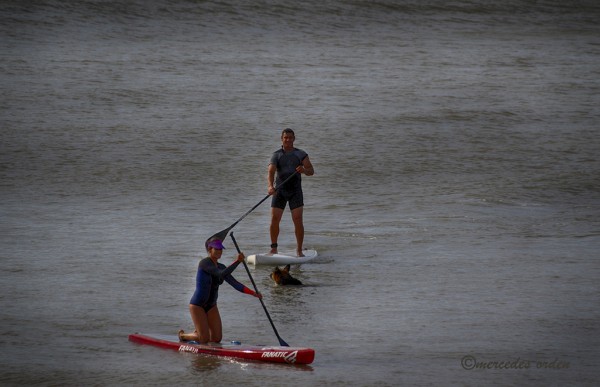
[(203, 305)]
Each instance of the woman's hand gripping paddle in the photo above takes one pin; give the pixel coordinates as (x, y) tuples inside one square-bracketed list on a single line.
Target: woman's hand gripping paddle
[(281, 341)]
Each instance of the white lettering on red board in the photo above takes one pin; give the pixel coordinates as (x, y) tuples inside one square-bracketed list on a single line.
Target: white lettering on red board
[(289, 357), (188, 348)]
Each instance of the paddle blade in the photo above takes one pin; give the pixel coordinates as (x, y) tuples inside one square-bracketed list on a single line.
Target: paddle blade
[(221, 235), (282, 342)]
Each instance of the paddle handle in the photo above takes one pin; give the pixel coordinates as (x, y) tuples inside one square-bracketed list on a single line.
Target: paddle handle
[(281, 341)]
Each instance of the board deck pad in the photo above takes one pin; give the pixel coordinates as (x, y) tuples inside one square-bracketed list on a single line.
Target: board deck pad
[(282, 258), (235, 349)]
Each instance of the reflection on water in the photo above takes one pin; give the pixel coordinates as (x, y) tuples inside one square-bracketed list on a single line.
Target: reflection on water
[(205, 363), (202, 364)]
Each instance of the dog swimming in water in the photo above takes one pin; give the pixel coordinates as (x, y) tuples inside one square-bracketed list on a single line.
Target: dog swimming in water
[(283, 277)]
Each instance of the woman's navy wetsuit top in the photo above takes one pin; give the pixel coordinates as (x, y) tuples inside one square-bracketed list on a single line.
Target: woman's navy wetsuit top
[(208, 279)]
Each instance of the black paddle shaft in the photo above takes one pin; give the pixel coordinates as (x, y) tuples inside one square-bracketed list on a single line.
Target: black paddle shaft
[(281, 341), (223, 233)]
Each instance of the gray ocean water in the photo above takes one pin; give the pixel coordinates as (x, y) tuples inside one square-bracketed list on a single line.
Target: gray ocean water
[(455, 205)]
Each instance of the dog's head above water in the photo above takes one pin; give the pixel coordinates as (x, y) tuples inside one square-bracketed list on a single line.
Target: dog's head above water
[(283, 277)]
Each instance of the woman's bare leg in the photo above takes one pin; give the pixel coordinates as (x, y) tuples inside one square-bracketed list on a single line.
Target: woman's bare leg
[(214, 324), (200, 319)]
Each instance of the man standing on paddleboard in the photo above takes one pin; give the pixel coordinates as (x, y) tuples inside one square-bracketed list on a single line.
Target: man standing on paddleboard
[(286, 162)]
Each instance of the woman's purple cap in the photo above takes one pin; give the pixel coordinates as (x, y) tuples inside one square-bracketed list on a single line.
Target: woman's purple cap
[(217, 244)]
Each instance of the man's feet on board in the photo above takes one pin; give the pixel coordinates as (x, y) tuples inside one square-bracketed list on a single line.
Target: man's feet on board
[(273, 249)]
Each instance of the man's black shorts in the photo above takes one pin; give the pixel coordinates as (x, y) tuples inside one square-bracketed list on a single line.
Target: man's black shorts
[(295, 198)]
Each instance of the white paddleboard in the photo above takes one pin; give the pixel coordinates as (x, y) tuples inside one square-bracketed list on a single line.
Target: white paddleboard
[(281, 258)]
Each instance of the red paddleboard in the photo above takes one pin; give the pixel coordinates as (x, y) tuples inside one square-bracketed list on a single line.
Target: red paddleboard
[(272, 354)]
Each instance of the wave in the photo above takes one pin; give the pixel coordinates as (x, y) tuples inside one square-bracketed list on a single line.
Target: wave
[(345, 13)]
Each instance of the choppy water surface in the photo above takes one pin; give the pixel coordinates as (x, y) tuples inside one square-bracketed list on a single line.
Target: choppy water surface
[(455, 206)]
